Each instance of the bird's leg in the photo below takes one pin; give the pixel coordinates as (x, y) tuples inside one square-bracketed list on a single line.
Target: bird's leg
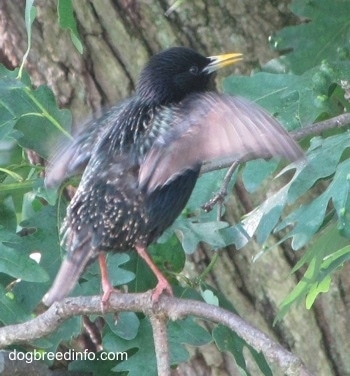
[(221, 194), (163, 284), (107, 288)]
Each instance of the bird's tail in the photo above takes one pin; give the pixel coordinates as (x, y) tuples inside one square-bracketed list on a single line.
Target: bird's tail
[(68, 275)]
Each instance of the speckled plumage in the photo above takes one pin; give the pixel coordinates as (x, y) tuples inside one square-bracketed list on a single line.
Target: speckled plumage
[(141, 160)]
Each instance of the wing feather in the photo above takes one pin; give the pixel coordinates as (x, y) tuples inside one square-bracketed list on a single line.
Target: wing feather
[(72, 156), (211, 127)]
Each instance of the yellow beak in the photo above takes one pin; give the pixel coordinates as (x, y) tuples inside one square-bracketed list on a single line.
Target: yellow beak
[(221, 61)]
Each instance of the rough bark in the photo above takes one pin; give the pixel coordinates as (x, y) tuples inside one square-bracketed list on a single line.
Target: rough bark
[(118, 37)]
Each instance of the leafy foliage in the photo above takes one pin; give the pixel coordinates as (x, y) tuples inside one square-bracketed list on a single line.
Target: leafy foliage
[(296, 100), (143, 361), (324, 37), (299, 88), (329, 251), (318, 69), (228, 341), (67, 21)]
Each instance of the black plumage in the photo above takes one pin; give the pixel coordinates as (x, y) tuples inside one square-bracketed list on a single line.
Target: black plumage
[(141, 160)]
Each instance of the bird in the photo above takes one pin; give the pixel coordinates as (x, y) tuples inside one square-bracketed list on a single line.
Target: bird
[(139, 162)]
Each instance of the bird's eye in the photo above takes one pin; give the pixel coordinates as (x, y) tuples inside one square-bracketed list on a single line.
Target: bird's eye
[(194, 70)]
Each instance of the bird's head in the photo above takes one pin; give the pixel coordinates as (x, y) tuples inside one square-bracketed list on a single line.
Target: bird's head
[(176, 72)]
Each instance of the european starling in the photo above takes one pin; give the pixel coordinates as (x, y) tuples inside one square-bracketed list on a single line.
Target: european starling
[(141, 160)]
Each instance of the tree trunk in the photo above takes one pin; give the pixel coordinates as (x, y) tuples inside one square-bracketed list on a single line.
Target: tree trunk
[(118, 38)]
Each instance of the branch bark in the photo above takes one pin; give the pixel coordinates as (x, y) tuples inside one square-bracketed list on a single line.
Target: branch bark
[(160, 338), (317, 128), (167, 307)]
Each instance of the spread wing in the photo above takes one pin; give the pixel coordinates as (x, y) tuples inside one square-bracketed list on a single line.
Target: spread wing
[(71, 159), (214, 126), (73, 155)]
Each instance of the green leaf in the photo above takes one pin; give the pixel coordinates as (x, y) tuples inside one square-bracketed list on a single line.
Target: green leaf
[(127, 325), (261, 221), (226, 340), (30, 14), (48, 194), (308, 218), (191, 233), (195, 225), (41, 129), (295, 100), (19, 265), (143, 362), (43, 238), (67, 21), (322, 162), (185, 331), (13, 174), (342, 206), (8, 219), (67, 330), (11, 310), (38, 121), (328, 251), (95, 367), (209, 297), (168, 255), (323, 157), (325, 35), (335, 260), (316, 289), (256, 171)]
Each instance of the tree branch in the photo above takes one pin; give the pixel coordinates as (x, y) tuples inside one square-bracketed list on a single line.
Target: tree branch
[(317, 128), (219, 196), (167, 307), (161, 345)]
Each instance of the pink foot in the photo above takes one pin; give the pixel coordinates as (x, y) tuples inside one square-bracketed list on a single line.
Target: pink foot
[(107, 288), (107, 291), (162, 286)]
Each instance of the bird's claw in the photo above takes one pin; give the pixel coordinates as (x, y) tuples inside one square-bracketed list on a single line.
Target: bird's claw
[(163, 286), (106, 295)]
